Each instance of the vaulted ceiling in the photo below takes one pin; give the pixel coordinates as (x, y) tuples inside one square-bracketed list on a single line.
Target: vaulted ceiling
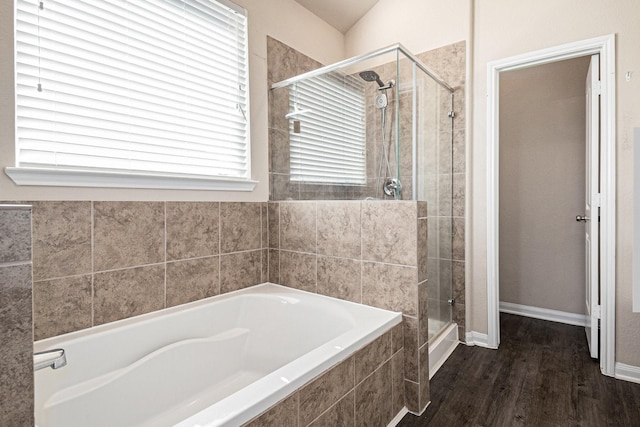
[(341, 14)]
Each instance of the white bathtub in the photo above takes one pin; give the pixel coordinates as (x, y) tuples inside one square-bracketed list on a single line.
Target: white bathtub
[(219, 361)]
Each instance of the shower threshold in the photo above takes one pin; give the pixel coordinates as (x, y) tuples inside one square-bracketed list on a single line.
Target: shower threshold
[(441, 348)]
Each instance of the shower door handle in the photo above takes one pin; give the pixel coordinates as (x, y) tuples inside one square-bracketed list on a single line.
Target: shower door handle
[(581, 218)]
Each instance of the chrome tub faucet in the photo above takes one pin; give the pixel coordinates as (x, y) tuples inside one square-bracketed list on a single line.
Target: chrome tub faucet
[(50, 358)]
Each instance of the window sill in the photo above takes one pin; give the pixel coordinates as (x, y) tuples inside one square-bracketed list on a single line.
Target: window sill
[(80, 178)]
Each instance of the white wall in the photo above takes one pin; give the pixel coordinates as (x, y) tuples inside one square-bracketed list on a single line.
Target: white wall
[(285, 20), (504, 28), (420, 25), (542, 181)]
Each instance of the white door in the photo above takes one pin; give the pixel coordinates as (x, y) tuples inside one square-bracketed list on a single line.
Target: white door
[(592, 205)]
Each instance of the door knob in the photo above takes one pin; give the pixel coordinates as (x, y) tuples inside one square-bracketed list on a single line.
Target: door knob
[(581, 218)]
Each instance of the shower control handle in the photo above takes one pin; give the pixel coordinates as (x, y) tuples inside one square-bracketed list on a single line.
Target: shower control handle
[(582, 218)]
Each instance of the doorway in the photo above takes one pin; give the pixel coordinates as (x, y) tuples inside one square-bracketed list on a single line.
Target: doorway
[(605, 48), (542, 189)]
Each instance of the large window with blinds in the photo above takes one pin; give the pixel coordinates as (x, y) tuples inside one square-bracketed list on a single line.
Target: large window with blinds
[(327, 130), (145, 93)]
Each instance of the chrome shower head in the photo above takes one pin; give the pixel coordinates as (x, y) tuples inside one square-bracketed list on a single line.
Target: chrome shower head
[(371, 76)]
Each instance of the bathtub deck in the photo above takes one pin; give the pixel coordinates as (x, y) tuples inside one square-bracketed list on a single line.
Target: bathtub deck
[(209, 396)]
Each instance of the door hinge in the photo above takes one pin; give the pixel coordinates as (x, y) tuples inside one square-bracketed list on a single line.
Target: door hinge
[(597, 312), (597, 200), (451, 114), (597, 88)]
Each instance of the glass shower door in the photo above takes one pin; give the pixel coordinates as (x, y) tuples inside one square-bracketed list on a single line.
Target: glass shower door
[(434, 182)]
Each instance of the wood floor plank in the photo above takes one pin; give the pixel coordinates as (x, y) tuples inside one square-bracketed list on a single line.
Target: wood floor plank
[(541, 375)]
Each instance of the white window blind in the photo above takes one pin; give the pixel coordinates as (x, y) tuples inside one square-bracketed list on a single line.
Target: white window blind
[(330, 145), (135, 87)]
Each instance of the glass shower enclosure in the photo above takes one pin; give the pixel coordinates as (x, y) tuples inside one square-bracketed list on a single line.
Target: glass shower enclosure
[(374, 127)]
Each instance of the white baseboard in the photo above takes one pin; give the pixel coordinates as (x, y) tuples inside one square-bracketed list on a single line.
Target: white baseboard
[(627, 372), (399, 416), (477, 338), (544, 314)]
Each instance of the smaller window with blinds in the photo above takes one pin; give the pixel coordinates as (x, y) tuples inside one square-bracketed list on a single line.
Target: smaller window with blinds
[(327, 130), (143, 94)]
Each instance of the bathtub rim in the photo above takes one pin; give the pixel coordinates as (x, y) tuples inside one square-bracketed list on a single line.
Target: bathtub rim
[(48, 343)]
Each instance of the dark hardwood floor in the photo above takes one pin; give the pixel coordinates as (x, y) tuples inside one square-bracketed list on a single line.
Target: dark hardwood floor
[(541, 375)]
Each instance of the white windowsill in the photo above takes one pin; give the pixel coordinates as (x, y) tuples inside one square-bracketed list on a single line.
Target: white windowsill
[(79, 178)]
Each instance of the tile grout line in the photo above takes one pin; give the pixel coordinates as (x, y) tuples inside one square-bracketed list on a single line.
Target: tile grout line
[(93, 286), (173, 261), (265, 245), (260, 244), (279, 244), (92, 273), (297, 392), (355, 408), (420, 327), (120, 269), (315, 213), (351, 390), (219, 249), (33, 302), (262, 260), (419, 370), (14, 263), (268, 245), (165, 253), (361, 255)]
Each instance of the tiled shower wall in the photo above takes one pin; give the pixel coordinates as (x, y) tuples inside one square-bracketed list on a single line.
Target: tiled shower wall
[(370, 252), (96, 262), (16, 337), (284, 62)]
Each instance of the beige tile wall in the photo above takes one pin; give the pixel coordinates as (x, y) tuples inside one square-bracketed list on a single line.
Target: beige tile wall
[(370, 252), (16, 339), (96, 262), (178, 252), (365, 389)]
